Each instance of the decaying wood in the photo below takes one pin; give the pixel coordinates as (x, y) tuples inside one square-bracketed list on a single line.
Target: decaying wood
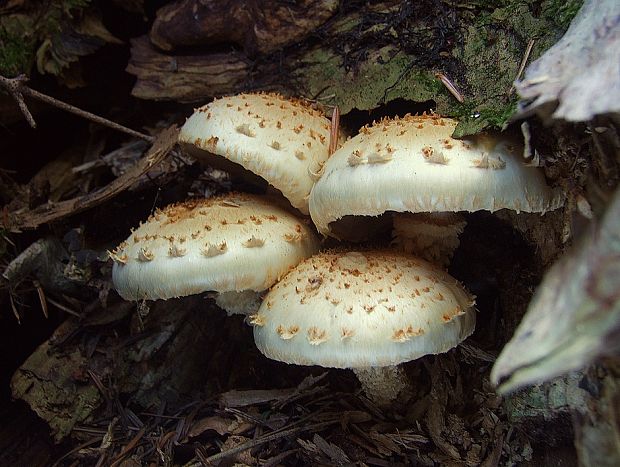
[(574, 319), (597, 422), (255, 26), (185, 78), (577, 78), (66, 381), (363, 56), (31, 219)]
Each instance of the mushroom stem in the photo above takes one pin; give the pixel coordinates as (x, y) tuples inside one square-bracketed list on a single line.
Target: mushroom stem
[(245, 302), (432, 236), (382, 384)]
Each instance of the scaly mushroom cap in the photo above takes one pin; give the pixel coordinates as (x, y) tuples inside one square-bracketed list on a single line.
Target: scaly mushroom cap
[(228, 243), (362, 309), (284, 141), (412, 164)]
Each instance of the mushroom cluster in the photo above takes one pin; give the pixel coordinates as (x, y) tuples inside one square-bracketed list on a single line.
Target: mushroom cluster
[(369, 309)]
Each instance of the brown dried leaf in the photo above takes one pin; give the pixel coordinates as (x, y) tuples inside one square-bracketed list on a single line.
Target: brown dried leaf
[(219, 424), (384, 443), (235, 398), (335, 453), (75, 40), (244, 457), (436, 425), (184, 78)]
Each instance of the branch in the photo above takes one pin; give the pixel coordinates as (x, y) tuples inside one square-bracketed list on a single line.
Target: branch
[(17, 88), (31, 219)]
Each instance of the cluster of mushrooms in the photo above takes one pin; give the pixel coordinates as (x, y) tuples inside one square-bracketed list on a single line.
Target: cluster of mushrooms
[(365, 309)]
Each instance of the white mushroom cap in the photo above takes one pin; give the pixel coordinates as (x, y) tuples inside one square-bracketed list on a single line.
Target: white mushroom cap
[(362, 309), (228, 243), (284, 141), (412, 164)]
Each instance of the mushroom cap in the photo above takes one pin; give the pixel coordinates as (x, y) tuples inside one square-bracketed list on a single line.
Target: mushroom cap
[(227, 243), (412, 164), (284, 141), (362, 309)]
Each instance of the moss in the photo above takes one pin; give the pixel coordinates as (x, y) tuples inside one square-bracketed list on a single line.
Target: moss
[(385, 75), (22, 33), (47, 382), (492, 51), (483, 62), (16, 45), (561, 12)]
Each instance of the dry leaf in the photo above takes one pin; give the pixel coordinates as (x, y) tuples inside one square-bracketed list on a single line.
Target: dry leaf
[(219, 424)]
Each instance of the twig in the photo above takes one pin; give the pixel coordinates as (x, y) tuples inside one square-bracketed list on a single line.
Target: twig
[(280, 457), (449, 85), (262, 440), (526, 56), (62, 307), (75, 449), (17, 89), (41, 293), (127, 449), (14, 87), (49, 212), (333, 132)]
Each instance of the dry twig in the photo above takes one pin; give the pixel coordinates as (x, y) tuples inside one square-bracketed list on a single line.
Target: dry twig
[(31, 219), (211, 460), (17, 89)]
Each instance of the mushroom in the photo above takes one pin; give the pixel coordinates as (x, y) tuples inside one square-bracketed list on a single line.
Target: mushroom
[(283, 141), (413, 165), (236, 245), (364, 310)]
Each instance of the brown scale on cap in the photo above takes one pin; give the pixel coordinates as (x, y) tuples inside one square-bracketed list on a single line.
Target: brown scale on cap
[(379, 158), (355, 158), (118, 258), (211, 250), (245, 129), (434, 157), (294, 237), (176, 251), (257, 319), (253, 242), (317, 336), (287, 333), (403, 335), (145, 255), (486, 162), (447, 144)]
